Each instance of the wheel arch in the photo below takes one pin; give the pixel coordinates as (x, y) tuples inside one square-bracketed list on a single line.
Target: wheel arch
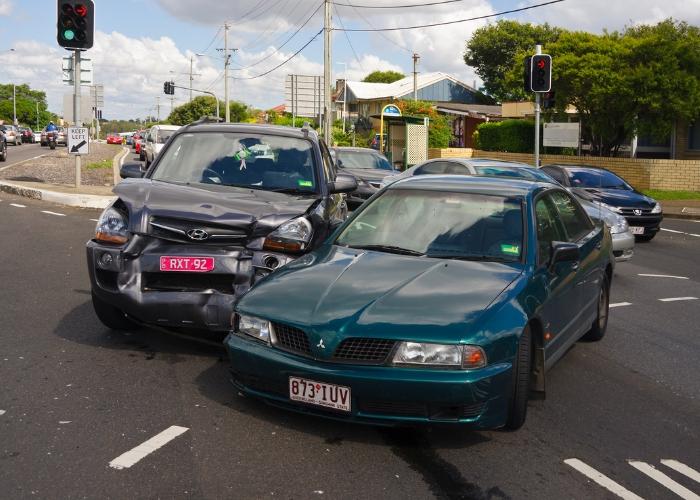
[(538, 358)]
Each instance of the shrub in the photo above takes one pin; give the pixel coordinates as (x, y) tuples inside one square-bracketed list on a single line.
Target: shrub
[(510, 136)]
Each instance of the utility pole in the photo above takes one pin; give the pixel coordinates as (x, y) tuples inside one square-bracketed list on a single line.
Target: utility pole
[(37, 115), (416, 58), (538, 51), (192, 74), (227, 63), (327, 58), (345, 91), (77, 80), (158, 108), (14, 105)]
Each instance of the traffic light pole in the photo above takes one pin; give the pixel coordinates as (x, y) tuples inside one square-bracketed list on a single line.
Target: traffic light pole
[(538, 51), (77, 77)]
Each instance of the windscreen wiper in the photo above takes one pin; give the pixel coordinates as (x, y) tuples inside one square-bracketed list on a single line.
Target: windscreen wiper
[(479, 258), (389, 249)]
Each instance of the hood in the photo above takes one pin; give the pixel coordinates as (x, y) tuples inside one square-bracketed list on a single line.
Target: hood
[(347, 292), (617, 197), (368, 174), (215, 204)]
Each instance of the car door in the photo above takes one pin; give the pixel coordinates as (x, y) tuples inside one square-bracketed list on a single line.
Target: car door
[(589, 238), (561, 298)]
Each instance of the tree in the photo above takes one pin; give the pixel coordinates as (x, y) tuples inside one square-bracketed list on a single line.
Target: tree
[(27, 100), (440, 128), (206, 106), (496, 49), (383, 77)]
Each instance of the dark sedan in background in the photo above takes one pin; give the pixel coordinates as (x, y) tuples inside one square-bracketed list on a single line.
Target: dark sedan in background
[(368, 166), (643, 213)]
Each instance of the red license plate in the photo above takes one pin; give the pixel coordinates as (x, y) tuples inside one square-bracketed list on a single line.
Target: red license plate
[(187, 264)]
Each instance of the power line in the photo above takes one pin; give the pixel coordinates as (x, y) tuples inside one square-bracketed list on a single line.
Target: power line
[(270, 29), (401, 28), (442, 2), (286, 32), (212, 42), (285, 61), (340, 19), (379, 32)]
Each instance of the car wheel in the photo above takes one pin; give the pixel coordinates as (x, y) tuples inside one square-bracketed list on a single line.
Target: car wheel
[(600, 325), (3, 156), (110, 316), (522, 366), (645, 238)]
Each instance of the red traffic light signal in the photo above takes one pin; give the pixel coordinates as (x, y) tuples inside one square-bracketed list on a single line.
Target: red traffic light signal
[(75, 24), (541, 73)]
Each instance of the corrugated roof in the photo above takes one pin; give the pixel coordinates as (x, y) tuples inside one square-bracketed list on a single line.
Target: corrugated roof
[(400, 88)]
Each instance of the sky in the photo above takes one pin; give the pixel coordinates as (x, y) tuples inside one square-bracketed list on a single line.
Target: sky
[(140, 44)]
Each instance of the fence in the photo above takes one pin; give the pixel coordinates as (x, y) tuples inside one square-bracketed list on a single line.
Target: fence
[(672, 175)]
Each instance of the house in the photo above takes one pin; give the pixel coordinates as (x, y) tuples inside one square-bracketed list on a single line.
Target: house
[(465, 119), (367, 99)]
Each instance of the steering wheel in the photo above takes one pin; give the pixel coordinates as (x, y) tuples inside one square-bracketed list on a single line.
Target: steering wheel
[(211, 176)]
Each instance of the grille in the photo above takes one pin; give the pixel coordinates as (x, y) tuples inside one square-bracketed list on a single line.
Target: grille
[(291, 339), (399, 408), (630, 211), (176, 230), (187, 282), (373, 351)]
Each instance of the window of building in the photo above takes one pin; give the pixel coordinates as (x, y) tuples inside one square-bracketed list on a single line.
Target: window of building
[(694, 136)]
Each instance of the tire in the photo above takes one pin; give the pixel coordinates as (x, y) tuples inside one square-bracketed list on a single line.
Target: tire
[(645, 238), (600, 325), (52, 145), (110, 316), (522, 367), (3, 156)]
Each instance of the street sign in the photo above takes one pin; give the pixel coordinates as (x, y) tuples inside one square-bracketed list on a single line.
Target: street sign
[(304, 96), (85, 71), (78, 141), (560, 135)]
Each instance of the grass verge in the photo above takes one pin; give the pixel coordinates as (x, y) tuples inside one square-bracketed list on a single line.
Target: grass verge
[(672, 195), (95, 165)]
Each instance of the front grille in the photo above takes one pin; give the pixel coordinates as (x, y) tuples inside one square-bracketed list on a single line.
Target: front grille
[(398, 408), (172, 229), (291, 339), (629, 212), (187, 282), (362, 350)]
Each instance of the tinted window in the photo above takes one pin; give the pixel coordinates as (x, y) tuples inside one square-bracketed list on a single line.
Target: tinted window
[(254, 161), (575, 220), (328, 163), (596, 178), (531, 174), (363, 159), (441, 225), (433, 168), (164, 135), (457, 169), (557, 174), (548, 228)]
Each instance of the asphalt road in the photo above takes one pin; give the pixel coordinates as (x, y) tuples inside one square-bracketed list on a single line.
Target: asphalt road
[(75, 396), (16, 154)]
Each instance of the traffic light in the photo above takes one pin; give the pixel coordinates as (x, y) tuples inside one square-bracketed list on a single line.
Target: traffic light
[(527, 78), (169, 88), (541, 73), (548, 100), (76, 24)]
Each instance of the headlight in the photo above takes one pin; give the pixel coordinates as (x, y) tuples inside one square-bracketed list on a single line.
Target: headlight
[(254, 327), (112, 227), (292, 236), (440, 355), (656, 209), (620, 225), (610, 207)]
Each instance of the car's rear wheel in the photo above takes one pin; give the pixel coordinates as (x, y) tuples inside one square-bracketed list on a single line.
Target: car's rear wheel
[(600, 325), (111, 316), (3, 155), (522, 366)]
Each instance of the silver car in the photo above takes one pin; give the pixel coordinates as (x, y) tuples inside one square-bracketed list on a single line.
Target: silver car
[(623, 239), (12, 135)]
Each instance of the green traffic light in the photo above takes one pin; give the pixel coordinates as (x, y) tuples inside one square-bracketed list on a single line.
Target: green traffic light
[(69, 34)]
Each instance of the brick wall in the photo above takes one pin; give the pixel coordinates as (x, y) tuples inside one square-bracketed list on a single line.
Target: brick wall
[(673, 175)]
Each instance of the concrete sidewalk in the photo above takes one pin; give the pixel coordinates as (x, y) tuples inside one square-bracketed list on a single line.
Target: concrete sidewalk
[(681, 209)]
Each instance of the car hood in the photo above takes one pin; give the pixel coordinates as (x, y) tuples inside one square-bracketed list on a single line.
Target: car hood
[(368, 174), (215, 204), (618, 197), (346, 292)]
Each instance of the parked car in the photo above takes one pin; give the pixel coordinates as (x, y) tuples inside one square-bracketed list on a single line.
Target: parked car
[(27, 135), (61, 137), (368, 166), (135, 141), (374, 143), (114, 139), (623, 239), (37, 137), (3, 144), (442, 299), (12, 135), (643, 213), (157, 136), (208, 220), (141, 148)]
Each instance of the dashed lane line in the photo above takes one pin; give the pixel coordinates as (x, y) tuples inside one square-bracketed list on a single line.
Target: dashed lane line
[(126, 460), (677, 299), (620, 304), (680, 232), (682, 468), (601, 479), (2, 412), (17, 205), (52, 213), (95, 220), (663, 276), (663, 479)]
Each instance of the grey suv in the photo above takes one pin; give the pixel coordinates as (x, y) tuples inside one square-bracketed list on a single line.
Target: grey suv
[(222, 206)]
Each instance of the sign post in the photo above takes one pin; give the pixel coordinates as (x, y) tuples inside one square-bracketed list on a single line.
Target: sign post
[(78, 141), (77, 122)]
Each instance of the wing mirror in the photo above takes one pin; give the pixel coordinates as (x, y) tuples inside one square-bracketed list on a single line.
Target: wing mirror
[(564, 252), (131, 171), (343, 183)]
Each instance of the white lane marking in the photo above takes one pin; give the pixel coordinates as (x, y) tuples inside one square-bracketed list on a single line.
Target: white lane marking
[(126, 460), (663, 479), (676, 299), (52, 213), (663, 276), (18, 205), (601, 479), (2, 412), (681, 232), (620, 304), (683, 469), (95, 220)]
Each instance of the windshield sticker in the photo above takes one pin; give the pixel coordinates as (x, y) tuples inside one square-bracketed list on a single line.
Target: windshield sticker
[(241, 155), (510, 249), (303, 183)]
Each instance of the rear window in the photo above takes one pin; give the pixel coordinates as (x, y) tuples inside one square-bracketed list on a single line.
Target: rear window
[(360, 159)]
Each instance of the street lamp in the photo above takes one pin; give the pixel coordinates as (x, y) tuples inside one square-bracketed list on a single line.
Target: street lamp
[(345, 90)]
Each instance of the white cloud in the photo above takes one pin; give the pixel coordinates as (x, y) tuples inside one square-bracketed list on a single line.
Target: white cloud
[(5, 7)]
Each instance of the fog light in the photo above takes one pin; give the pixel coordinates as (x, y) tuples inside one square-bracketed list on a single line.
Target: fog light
[(106, 259), (271, 262)]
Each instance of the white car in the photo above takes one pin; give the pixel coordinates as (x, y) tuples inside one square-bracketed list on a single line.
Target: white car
[(156, 138)]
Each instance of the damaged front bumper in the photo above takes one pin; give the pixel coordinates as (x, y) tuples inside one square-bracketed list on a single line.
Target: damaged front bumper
[(129, 278)]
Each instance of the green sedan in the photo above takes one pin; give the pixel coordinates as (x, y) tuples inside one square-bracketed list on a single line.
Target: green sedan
[(443, 299)]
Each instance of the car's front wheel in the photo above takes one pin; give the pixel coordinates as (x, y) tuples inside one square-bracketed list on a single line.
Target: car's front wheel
[(111, 316), (522, 366), (600, 325), (3, 155)]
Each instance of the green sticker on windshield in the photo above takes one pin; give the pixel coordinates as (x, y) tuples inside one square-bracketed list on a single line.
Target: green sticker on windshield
[(511, 249), (306, 184)]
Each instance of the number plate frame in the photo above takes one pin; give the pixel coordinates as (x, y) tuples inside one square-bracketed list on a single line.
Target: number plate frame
[(320, 394), (637, 230), (177, 264)]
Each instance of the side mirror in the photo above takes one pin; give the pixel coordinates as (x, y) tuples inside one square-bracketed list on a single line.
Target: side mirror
[(564, 252), (344, 183), (339, 162), (131, 171)]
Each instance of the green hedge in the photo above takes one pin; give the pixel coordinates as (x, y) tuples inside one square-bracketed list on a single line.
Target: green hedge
[(510, 136)]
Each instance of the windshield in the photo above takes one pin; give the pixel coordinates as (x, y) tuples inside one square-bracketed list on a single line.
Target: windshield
[(593, 178), (164, 135), (360, 159), (254, 161), (438, 224), (527, 173)]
